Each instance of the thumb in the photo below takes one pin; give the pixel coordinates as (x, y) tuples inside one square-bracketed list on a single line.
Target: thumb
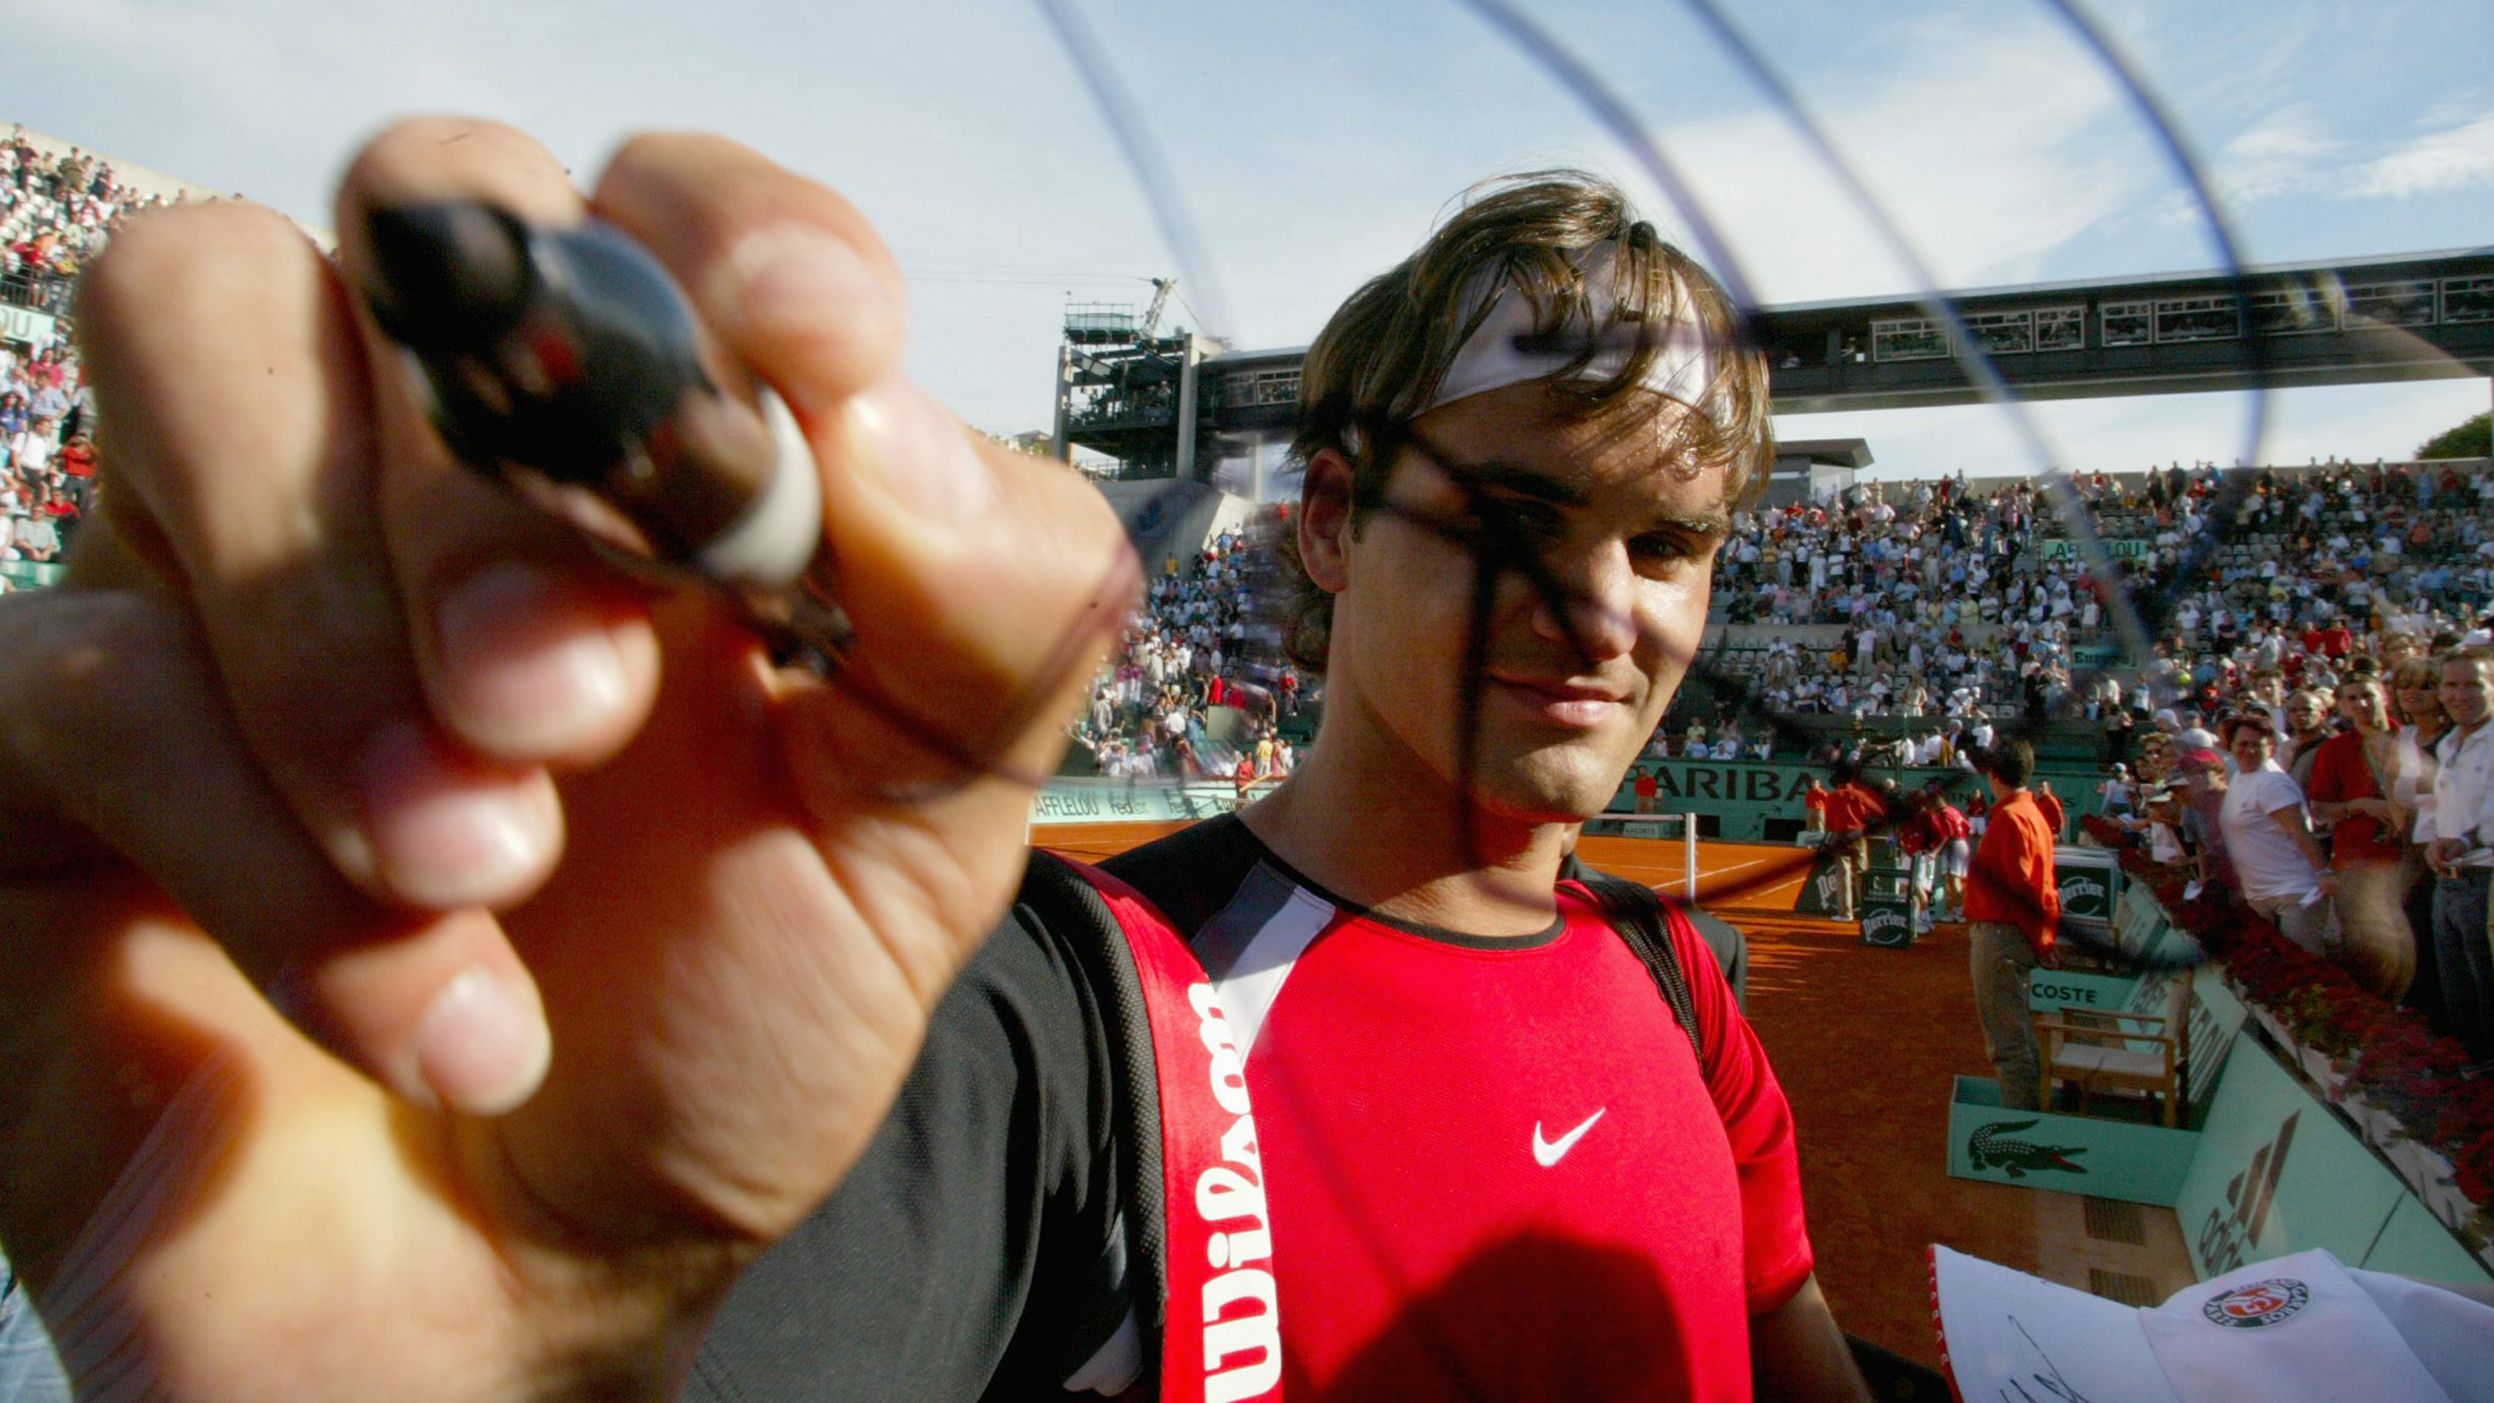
[(980, 582)]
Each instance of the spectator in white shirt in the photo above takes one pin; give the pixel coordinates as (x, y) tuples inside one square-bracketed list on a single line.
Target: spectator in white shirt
[(2462, 860), (2278, 865), (31, 449)]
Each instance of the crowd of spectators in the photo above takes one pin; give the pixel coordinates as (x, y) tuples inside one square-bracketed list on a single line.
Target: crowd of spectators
[(57, 209), (1153, 706), (2355, 812), (1944, 603), (1959, 608), (47, 482), (1954, 602)]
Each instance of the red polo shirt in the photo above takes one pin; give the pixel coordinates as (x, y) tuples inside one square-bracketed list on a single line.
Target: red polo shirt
[(2012, 881)]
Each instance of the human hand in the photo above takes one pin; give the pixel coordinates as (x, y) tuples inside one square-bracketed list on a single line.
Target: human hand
[(342, 789)]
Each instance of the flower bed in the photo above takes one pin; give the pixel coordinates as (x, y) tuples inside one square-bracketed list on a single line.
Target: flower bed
[(2403, 1086)]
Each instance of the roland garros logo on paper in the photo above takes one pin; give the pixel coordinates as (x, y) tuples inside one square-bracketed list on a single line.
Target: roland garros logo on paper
[(2261, 1303)]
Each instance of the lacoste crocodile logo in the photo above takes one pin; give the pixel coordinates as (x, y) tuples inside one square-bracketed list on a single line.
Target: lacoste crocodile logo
[(2017, 1157)]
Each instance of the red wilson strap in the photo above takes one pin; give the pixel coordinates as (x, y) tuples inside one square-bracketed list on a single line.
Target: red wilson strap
[(1223, 1340)]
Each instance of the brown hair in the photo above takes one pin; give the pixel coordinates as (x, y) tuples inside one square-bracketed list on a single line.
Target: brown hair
[(2252, 719), (2415, 672), (2360, 679), (1378, 363), (2477, 653)]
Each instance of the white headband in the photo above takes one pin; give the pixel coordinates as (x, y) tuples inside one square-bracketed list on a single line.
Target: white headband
[(1501, 352)]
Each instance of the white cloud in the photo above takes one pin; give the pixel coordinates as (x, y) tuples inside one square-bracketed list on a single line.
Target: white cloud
[(2455, 158), (2288, 151), (2456, 108), (1990, 150), (1314, 142)]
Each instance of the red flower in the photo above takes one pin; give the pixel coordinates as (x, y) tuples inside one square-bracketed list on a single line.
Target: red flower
[(2394, 1060)]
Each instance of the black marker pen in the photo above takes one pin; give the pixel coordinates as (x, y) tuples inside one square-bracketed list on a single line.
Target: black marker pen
[(565, 362)]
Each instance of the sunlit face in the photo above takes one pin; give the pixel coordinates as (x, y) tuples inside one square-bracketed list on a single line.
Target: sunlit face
[(2468, 691), (2420, 701), (2305, 711), (2364, 704), (2250, 746), (1573, 677)]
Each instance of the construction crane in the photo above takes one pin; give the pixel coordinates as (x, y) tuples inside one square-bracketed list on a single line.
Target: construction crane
[(1161, 289)]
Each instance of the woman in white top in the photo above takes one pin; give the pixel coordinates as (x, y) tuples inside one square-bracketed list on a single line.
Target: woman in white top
[(2268, 834), (2416, 704)]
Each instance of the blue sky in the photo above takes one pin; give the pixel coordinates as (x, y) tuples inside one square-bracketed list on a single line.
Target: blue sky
[(1312, 144)]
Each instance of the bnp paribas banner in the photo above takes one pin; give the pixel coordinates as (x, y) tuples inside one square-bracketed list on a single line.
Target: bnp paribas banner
[(1741, 796)]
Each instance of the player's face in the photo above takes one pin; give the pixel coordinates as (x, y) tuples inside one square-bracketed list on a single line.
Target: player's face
[(1572, 675)]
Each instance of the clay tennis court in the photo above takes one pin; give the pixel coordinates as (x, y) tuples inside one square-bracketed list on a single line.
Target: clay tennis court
[(1866, 1042)]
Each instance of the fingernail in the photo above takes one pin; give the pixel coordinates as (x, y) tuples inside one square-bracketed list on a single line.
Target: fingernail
[(448, 831), (529, 667), (482, 1047), (918, 453), (794, 279)]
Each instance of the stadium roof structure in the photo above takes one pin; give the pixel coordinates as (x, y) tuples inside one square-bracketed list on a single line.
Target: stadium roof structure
[(2366, 320), (2374, 319), (1827, 452)]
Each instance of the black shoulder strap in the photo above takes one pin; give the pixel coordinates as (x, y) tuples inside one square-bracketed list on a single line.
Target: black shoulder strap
[(1638, 915), (1067, 902)]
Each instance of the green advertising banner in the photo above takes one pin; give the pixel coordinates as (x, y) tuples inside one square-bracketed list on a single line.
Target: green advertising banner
[(2051, 1150), (2216, 1017), (2137, 919), (2278, 1173), (1738, 798), (1139, 801), (2414, 1243), (2088, 880), (2051, 990), (2117, 548), (1822, 892)]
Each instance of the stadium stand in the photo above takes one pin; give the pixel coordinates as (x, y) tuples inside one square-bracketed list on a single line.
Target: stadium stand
[(1178, 698), (1922, 611), (59, 205)]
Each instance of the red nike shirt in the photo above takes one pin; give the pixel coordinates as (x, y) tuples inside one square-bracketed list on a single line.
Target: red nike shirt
[(1493, 1166)]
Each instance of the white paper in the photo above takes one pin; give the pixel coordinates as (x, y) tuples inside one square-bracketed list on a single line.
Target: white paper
[(2452, 1335), (2010, 1335), (2294, 1329)]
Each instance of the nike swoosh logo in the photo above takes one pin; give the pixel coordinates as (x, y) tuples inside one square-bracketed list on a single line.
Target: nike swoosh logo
[(1547, 1152)]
